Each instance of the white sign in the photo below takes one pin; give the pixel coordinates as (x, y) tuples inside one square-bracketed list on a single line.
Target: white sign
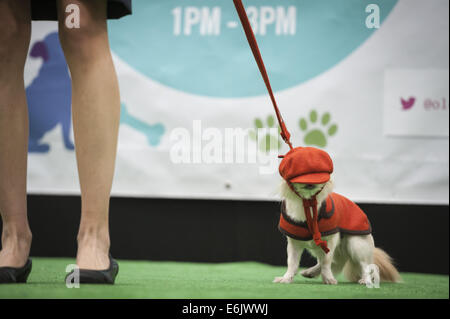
[(180, 66)]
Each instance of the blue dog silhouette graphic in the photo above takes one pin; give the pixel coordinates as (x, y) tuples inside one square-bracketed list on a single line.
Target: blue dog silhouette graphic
[(49, 95), (49, 100)]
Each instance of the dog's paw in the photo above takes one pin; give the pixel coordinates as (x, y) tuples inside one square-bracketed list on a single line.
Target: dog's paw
[(308, 273), (329, 281), (38, 148), (364, 282), (283, 280)]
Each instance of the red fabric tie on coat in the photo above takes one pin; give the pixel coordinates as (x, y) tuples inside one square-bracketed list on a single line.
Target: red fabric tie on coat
[(312, 222), (313, 226)]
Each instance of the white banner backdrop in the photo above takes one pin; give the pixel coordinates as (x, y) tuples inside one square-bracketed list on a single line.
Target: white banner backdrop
[(185, 66)]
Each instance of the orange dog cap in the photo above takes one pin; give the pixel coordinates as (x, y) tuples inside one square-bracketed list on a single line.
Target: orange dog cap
[(306, 165)]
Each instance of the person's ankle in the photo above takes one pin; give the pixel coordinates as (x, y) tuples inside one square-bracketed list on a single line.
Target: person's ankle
[(16, 236), (16, 247), (94, 235), (93, 248)]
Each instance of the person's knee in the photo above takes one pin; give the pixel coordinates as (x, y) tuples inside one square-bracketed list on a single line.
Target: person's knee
[(14, 37), (85, 41)]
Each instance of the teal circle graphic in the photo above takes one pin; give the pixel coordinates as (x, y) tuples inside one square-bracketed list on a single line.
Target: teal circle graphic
[(163, 40)]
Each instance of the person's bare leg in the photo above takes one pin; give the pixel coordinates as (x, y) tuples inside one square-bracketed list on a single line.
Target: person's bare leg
[(15, 26), (95, 112)]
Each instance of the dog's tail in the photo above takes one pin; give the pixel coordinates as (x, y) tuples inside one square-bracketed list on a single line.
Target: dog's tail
[(384, 262), (388, 272)]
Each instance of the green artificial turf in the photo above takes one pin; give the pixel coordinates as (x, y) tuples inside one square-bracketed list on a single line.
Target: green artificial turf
[(141, 279)]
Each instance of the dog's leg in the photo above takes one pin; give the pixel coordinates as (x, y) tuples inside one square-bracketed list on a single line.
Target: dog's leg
[(325, 269), (311, 272), (294, 252), (326, 260), (360, 249), (340, 258)]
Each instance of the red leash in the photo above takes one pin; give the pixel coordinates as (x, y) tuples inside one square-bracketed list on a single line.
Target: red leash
[(308, 204), (257, 54)]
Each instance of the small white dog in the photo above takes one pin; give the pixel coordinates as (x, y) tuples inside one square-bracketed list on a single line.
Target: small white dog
[(342, 248)]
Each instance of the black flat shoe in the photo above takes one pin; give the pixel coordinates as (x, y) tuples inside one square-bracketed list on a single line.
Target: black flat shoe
[(107, 276), (11, 275)]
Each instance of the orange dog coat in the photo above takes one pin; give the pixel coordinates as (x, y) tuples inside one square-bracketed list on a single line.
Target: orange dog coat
[(337, 214)]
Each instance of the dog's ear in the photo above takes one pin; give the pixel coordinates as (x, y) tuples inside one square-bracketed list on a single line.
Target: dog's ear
[(39, 50), (286, 192)]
